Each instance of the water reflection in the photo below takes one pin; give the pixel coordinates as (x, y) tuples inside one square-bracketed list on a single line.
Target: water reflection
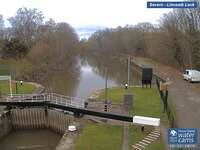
[(91, 81), (116, 69), (89, 75), (63, 81)]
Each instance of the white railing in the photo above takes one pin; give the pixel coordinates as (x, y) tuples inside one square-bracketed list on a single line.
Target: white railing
[(52, 97)]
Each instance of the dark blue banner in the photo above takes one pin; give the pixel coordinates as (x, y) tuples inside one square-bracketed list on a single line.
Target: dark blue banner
[(182, 137), (160, 4)]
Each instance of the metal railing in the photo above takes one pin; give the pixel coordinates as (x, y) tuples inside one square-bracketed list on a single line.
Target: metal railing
[(50, 97)]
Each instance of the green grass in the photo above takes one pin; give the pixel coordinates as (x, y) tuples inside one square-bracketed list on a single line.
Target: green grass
[(157, 145), (136, 135), (100, 137), (146, 102), (22, 89)]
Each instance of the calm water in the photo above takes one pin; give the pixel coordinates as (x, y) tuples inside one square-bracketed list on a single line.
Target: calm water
[(91, 81), (30, 140), (93, 78), (90, 77), (78, 81)]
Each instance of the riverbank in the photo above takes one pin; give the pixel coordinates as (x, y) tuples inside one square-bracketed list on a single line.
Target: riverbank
[(17, 88), (146, 103)]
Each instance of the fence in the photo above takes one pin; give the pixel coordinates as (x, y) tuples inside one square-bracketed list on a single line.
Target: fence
[(52, 97), (167, 107)]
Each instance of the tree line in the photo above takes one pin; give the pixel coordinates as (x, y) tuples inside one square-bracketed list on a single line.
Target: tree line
[(45, 46), (175, 40), (42, 46)]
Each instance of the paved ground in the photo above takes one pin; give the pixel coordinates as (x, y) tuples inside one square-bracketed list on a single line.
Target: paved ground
[(186, 96)]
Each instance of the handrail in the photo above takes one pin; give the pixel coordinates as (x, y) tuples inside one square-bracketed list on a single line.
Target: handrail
[(52, 97)]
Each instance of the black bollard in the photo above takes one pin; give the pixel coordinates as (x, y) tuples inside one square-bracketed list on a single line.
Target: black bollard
[(142, 128)]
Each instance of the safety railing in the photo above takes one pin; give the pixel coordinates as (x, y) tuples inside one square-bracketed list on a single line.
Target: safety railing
[(51, 97)]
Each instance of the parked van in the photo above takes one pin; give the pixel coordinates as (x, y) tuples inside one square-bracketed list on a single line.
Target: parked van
[(192, 75)]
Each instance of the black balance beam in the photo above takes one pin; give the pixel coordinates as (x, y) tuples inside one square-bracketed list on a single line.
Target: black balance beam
[(71, 109)]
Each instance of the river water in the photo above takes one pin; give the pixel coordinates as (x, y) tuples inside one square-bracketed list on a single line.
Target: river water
[(37, 139), (87, 77)]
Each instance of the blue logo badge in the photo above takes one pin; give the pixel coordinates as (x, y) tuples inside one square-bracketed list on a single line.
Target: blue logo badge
[(182, 137)]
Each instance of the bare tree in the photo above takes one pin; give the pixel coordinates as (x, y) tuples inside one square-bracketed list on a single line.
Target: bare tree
[(1, 25), (25, 24)]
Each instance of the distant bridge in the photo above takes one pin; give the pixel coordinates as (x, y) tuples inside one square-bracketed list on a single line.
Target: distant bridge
[(52, 100)]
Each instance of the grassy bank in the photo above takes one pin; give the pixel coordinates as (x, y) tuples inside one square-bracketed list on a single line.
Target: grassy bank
[(100, 137), (146, 103), (25, 88)]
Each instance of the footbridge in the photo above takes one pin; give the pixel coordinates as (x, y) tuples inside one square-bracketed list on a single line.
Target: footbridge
[(69, 104), (56, 101)]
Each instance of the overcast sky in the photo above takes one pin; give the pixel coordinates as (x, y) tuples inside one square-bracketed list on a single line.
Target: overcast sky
[(109, 13)]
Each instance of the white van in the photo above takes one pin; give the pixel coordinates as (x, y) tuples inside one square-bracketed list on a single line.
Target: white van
[(192, 75)]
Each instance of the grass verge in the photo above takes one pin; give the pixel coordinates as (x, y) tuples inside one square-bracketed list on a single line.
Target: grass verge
[(25, 88), (146, 102), (100, 137)]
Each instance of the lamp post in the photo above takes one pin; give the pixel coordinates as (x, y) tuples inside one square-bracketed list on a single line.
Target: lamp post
[(106, 91), (106, 85), (128, 71)]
